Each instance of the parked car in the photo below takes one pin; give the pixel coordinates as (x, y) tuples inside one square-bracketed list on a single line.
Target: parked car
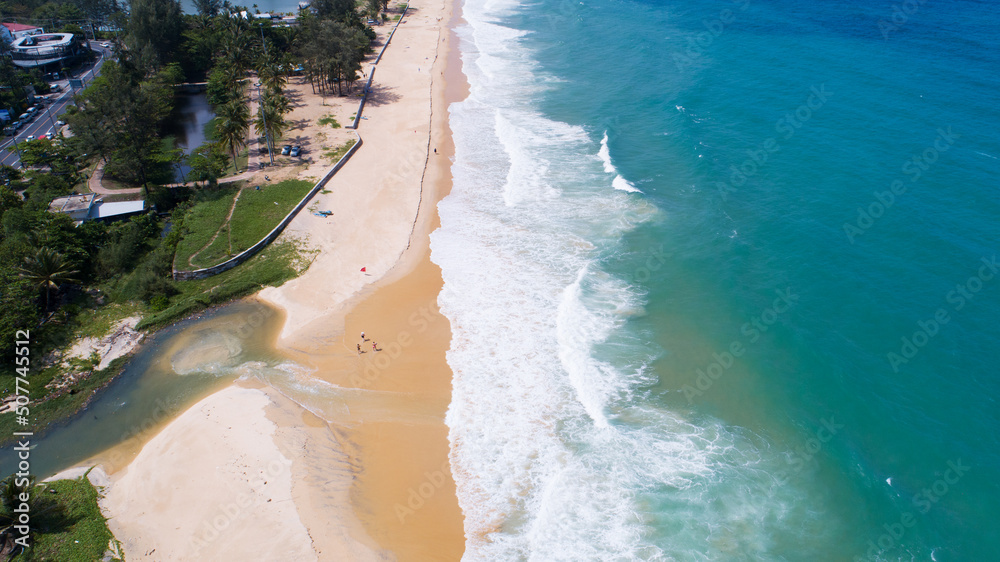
[(296, 151), (55, 87), (60, 123), (286, 149), (30, 138)]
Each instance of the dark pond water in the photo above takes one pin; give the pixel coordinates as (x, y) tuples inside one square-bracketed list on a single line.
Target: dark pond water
[(195, 113)]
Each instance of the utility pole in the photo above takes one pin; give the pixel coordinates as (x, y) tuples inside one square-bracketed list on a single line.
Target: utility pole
[(263, 116), (18, 149), (48, 111), (260, 103)]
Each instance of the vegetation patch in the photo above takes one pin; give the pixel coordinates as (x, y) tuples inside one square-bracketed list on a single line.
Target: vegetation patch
[(208, 239), (97, 322), (67, 521), (335, 154), (259, 211), (274, 265), (202, 221), (47, 411), (329, 120)]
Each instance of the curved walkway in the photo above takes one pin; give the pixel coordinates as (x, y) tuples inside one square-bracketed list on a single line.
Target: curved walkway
[(95, 181)]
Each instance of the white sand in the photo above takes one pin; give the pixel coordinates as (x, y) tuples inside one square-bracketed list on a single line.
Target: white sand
[(212, 486), (197, 490), (375, 197)]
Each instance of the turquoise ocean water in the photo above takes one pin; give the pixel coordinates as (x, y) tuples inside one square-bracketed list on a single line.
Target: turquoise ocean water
[(722, 280)]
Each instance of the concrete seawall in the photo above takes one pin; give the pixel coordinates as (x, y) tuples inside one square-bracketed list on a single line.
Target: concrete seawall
[(249, 252), (371, 73)]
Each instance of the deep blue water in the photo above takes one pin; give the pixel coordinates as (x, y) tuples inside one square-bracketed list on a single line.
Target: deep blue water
[(782, 346)]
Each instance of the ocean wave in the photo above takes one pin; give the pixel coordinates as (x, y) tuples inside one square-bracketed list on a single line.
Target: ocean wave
[(522, 234), (557, 453), (619, 183)]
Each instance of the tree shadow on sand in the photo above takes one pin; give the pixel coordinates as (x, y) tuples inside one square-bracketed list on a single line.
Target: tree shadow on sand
[(381, 95), (298, 124), (294, 98)]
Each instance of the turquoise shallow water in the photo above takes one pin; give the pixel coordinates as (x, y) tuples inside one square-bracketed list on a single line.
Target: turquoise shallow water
[(779, 347)]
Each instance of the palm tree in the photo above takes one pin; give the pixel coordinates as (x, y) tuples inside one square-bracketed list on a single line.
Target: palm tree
[(237, 46), (234, 125), (270, 122), (47, 269), (270, 71), (208, 8), (372, 8)]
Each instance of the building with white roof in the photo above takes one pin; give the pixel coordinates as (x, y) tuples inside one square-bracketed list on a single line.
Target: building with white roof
[(87, 207)]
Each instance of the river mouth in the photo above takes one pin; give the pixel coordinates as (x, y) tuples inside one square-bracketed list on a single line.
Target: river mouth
[(172, 370)]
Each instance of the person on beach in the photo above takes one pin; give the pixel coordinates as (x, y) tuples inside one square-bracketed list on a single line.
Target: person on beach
[(359, 349), (363, 336), (374, 346)]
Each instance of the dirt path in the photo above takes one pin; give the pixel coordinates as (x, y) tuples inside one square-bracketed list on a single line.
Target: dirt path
[(94, 183), (225, 223)]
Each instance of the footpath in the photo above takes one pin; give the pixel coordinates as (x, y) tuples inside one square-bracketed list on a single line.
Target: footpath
[(96, 181)]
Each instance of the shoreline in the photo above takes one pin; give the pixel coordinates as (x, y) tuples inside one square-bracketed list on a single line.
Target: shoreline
[(356, 462), (405, 493)]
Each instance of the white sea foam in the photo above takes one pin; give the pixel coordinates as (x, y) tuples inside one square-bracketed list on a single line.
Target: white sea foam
[(619, 183), (623, 184), (605, 155), (553, 458)]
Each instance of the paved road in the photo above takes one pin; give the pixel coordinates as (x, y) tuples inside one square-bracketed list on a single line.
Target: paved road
[(43, 123)]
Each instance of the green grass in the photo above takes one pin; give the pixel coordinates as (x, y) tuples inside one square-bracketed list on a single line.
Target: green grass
[(97, 322), (273, 266), (242, 157), (110, 183), (329, 120), (74, 529), (202, 222), (256, 213), (254, 216), (335, 154), (216, 252)]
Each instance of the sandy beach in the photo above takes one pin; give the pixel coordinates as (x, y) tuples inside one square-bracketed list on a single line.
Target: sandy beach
[(249, 474)]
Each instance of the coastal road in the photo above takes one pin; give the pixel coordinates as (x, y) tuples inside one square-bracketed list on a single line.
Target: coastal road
[(44, 121)]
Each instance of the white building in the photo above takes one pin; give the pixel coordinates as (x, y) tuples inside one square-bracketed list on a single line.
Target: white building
[(14, 31), (88, 207), (42, 49)]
